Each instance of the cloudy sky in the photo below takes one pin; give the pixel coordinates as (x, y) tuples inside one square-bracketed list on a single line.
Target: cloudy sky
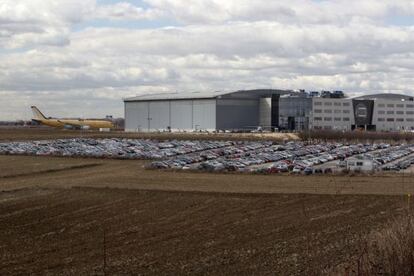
[(81, 57)]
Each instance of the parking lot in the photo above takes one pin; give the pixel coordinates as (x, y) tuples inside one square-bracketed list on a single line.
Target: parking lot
[(115, 148), (397, 158), (393, 158), (222, 156)]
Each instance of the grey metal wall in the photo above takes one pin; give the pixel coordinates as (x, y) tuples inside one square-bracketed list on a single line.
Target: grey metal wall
[(181, 114), (159, 115), (178, 114), (237, 113), (204, 114), (136, 116)]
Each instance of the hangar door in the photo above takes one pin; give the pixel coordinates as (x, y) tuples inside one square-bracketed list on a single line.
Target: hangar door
[(159, 115), (204, 114), (136, 116), (181, 115)]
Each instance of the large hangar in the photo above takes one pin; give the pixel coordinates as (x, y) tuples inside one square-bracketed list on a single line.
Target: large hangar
[(198, 111)]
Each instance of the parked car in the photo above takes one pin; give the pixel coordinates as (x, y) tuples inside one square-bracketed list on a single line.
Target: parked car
[(308, 171)]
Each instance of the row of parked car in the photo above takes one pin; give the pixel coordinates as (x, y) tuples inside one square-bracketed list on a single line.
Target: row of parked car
[(306, 163), (403, 156), (403, 165), (251, 156), (111, 148), (240, 157), (265, 157), (390, 158), (340, 152)]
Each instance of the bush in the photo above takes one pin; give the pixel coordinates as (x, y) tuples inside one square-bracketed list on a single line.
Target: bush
[(387, 252)]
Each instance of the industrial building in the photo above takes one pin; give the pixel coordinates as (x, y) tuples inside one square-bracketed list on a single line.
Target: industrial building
[(332, 113), (294, 111), (268, 109), (379, 112), (240, 110)]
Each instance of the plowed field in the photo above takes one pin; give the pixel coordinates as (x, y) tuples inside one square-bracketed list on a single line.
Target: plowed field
[(128, 232), (67, 216)]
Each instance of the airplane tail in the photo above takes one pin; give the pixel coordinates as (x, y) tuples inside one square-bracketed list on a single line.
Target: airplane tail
[(37, 114)]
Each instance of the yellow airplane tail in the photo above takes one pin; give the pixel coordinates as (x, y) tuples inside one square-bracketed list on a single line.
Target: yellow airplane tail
[(37, 114)]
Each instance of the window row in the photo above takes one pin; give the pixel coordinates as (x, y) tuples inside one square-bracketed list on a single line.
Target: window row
[(330, 119), (332, 103), (395, 119), (349, 104), (396, 105), (396, 112), (345, 111)]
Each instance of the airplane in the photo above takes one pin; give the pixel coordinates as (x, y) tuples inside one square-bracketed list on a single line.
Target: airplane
[(69, 123)]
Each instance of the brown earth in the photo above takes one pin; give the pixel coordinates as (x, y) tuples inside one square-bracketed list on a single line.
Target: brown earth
[(133, 232), (73, 216), (22, 172), (18, 166), (62, 216)]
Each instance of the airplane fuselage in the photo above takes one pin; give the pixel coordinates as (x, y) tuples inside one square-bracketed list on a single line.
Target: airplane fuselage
[(62, 123), (69, 123)]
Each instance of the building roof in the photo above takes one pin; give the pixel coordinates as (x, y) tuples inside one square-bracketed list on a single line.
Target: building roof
[(175, 96), (386, 96), (296, 95), (360, 157), (205, 95)]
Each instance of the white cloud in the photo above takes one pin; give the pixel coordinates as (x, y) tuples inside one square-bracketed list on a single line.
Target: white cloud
[(29, 23), (39, 22), (126, 11), (222, 45), (293, 11)]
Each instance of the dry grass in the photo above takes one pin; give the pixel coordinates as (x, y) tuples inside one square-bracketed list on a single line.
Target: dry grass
[(386, 251), (390, 251)]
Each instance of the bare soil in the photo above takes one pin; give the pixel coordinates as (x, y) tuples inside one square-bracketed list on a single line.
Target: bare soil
[(17, 166), (148, 222), (30, 171), (85, 231), (74, 216)]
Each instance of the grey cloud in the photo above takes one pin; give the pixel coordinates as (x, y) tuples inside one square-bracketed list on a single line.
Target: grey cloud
[(293, 11), (223, 45), (40, 22), (250, 39), (117, 58)]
